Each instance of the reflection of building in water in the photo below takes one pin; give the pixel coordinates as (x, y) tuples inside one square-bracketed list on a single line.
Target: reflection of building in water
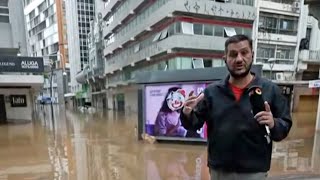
[(23, 153), (177, 163), (294, 156)]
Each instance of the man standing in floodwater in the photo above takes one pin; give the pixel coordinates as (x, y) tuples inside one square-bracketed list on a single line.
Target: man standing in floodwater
[(239, 142)]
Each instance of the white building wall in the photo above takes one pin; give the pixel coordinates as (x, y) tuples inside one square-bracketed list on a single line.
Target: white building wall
[(315, 33), (273, 39), (73, 42), (18, 113)]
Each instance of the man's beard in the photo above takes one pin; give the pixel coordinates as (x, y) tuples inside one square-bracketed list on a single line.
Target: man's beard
[(242, 74)]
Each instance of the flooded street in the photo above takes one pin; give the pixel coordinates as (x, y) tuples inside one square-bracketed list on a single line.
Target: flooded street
[(104, 146)]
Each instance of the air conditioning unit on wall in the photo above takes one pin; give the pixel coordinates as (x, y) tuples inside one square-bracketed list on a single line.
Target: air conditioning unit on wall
[(296, 6)]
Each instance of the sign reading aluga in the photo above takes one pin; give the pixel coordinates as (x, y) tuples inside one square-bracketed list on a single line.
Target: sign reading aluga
[(21, 64), (314, 84)]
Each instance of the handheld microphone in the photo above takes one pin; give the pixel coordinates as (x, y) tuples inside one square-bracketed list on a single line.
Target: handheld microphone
[(257, 105)]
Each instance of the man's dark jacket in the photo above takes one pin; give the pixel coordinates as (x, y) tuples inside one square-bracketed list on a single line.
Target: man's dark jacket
[(236, 141)]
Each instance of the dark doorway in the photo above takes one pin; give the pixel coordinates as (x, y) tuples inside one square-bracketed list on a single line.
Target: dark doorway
[(3, 114), (120, 102)]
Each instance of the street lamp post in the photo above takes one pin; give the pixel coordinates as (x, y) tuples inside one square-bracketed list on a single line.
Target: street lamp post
[(52, 64), (52, 67), (271, 62)]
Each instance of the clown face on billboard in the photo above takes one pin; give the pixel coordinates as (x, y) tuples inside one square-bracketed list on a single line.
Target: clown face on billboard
[(176, 99)]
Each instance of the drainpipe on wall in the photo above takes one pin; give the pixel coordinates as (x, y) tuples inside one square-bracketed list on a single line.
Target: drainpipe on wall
[(256, 31), (299, 37)]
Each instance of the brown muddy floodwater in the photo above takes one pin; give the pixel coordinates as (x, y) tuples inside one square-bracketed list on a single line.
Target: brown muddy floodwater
[(104, 146)]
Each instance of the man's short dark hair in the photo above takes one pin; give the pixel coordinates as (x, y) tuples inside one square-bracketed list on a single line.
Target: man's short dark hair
[(235, 39)]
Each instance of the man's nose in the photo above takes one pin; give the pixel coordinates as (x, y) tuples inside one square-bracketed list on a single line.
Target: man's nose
[(239, 57)]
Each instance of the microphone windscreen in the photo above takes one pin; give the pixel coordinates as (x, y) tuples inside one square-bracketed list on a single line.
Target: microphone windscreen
[(256, 100)]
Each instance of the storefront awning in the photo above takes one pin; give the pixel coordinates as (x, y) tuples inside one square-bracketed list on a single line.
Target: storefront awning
[(16, 80)]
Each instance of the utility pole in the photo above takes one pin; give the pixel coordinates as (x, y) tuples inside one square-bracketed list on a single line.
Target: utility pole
[(51, 80)]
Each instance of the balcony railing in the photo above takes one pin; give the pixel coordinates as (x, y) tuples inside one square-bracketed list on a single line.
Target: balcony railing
[(182, 41), (314, 55), (223, 10)]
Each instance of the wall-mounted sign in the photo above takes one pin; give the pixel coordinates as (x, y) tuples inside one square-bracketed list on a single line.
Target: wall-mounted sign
[(18, 100), (21, 64)]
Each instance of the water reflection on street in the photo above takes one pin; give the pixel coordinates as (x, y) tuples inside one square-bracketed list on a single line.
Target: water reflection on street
[(104, 146)]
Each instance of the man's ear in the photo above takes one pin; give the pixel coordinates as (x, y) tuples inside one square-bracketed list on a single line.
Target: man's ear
[(224, 57)]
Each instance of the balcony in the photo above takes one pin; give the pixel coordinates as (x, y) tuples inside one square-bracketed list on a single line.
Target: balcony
[(107, 10), (314, 6), (224, 10), (286, 9), (121, 15), (181, 41), (310, 56), (277, 37)]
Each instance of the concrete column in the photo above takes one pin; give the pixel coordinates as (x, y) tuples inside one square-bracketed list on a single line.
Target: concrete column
[(315, 162), (60, 88), (318, 115)]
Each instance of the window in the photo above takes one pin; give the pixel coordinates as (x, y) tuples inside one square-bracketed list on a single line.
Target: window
[(218, 63), (178, 27), (208, 30), (308, 35), (171, 30), (229, 31), (207, 63), (187, 28), (247, 32), (218, 31), (4, 19), (285, 52), (4, 3), (279, 24), (164, 34), (265, 52), (287, 26), (4, 11), (197, 29)]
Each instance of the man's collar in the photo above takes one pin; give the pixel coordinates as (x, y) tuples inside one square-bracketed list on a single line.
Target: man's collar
[(256, 82)]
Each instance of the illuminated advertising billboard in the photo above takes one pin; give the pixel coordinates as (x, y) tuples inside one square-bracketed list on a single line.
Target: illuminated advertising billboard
[(163, 104)]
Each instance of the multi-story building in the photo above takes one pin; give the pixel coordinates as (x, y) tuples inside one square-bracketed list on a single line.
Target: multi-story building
[(279, 35), (47, 37), (12, 28), (79, 15), (20, 76), (144, 35)]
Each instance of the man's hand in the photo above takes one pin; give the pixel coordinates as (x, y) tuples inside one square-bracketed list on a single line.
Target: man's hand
[(191, 103), (265, 117)]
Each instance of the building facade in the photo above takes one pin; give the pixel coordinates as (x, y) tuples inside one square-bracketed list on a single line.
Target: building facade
[(20, 76), (279, 33), (47, 37), (143, 35), (79, 15), (12, 28)]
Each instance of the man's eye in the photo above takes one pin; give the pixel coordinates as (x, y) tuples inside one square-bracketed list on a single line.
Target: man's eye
[(233, 54), (244, 52)]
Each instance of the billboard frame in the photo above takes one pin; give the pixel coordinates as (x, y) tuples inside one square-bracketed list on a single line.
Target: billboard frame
[(188, 76)]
